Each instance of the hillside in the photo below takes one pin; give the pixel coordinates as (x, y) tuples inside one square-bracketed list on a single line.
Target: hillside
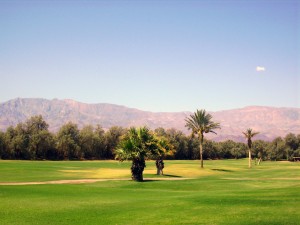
[(269, 121)]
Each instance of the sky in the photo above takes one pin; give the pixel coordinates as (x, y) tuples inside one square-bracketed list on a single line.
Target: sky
[(160, 56)]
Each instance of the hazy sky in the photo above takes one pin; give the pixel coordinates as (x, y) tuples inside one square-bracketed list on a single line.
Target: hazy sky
[(152, 55)]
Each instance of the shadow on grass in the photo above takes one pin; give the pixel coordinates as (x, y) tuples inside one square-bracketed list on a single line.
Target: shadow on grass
[(222, 170), (149, 181), (169, 175)]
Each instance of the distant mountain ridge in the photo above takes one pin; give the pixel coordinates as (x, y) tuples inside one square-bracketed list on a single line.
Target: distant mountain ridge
[(269, 121)]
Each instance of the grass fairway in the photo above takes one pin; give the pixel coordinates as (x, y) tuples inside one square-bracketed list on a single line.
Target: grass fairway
[(225, 192)]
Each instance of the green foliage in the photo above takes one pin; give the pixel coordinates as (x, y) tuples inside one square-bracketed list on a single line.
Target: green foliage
[(100, 148), (88, 142), (292, 143), (201, 122), (180, 142), (164, 148), (277, 149), (2, 145), (68, 141), (29, 140), (260, 149), (137, 145), (112, 139), (40, 139), (33, 140)]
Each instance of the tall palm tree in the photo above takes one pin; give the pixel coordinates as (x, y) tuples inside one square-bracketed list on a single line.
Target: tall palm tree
[(137, 145), (249, 134), (201, 122)]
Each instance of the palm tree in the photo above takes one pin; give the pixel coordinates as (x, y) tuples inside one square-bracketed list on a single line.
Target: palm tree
[(201, 123), (164, 149), (137, 145), (249, 134)]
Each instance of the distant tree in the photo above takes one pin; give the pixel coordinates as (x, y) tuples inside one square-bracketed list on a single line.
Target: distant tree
[(239, 150), (179, 141), (249, 134), (88, 142), (68, 142), (201, 122), (292, 144), (2, 145), (9, 136), (39, 137), (100, 142), (35, 124), (161, 132), (211, 149), (226, 149), (276, 149), (112, 138), (20, 141), (192, 151), (137, 145), (297, 152), (260, 149)]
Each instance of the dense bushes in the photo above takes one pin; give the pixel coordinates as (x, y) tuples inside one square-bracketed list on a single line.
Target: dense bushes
[(32, 140)]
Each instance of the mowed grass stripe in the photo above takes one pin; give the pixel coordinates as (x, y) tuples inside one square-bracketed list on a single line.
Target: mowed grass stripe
[(206, 199)]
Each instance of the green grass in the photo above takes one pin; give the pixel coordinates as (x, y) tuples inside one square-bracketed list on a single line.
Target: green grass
[(225, 192)]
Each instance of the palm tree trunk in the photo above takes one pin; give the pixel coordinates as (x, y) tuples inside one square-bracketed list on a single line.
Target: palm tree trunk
[(259, 160), (201, 150), (201, 155), (159, 166), (249, 158), (137, 169)]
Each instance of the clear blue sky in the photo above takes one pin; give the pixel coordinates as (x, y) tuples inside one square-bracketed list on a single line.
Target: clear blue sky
[(152, 55)]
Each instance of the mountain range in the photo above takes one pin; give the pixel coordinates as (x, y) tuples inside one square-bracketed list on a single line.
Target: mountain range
[(271, 122)]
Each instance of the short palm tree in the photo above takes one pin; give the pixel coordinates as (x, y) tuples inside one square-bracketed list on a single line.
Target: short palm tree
[(249, 134), (201, 122), (137, 145), (164, 149)]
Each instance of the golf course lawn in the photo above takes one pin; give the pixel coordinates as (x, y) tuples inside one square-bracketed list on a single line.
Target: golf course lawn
[(224, 192)]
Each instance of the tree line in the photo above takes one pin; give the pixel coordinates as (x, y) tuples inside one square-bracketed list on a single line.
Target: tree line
[(32, 140)]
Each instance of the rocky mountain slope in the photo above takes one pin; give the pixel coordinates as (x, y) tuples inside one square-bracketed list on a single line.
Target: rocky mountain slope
[(270, 122)]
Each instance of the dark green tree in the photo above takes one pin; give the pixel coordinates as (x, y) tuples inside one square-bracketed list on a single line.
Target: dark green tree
[(100, 142), (88, 142), (2, 145), (238, 151), (226, 148), (179, 141), (9, 135), (260, 150), (292, 144), (276, 149), (40, 139), (20, 141), (68, 142), (112, 138)]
